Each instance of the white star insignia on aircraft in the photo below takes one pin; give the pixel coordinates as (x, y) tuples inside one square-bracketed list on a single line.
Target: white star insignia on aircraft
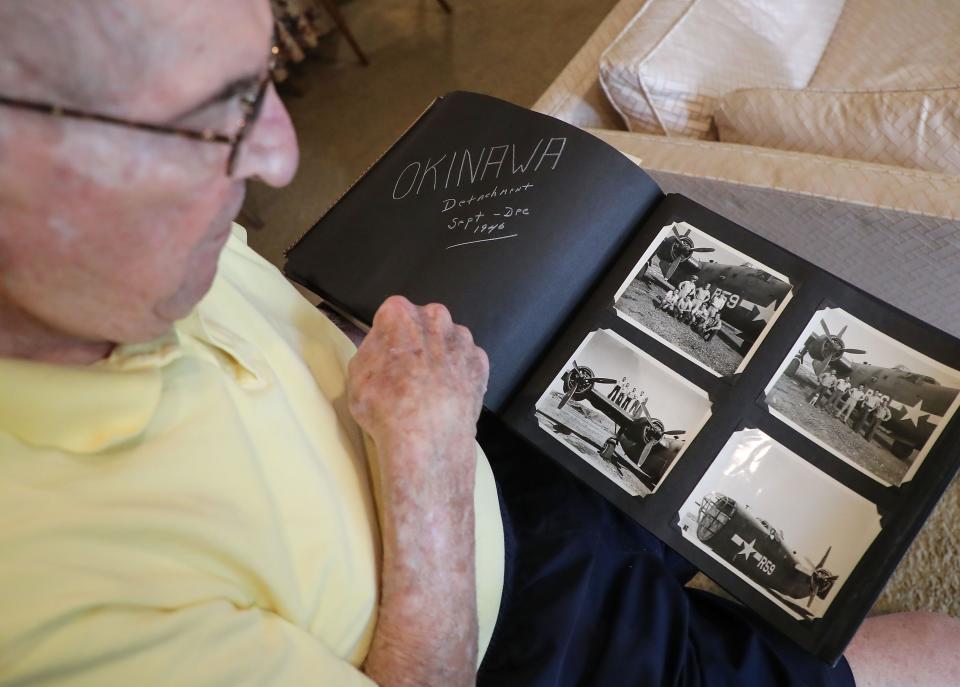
[(913, 413), (765, 313), (748, 547)]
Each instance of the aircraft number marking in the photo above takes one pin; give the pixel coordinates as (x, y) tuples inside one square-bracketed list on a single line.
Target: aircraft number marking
[(733, 299), (766, 566)]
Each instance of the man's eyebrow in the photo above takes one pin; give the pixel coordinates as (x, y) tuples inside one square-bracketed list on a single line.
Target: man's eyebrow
[(224, 94)]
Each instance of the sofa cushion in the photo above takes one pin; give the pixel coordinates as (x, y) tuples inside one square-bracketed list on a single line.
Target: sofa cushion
[(675, 57), (892, 44), (907, 128), (575, 96)]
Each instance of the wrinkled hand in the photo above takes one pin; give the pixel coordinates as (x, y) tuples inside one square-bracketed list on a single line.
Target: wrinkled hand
[(416, 386), (417, 376)]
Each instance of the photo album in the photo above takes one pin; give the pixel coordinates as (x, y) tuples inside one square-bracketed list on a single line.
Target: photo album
[(783, 430)]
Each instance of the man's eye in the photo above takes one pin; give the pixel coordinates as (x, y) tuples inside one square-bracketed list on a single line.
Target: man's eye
[(221, 117)]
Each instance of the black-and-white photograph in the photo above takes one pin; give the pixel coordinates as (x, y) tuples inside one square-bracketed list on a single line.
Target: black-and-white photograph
[(864, 396), (781, 525), (703, 298), (622, 412)]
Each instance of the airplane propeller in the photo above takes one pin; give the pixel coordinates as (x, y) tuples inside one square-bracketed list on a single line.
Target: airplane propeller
[(819, 576), (579, 380), (682, 249), (832, 346), (653, 433)]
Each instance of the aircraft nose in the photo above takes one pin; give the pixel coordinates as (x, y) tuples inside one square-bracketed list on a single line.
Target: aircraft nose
[(711, 518)]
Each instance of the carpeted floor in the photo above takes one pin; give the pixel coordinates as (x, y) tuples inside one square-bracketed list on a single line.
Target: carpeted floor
[(928, 578), (348, 114)]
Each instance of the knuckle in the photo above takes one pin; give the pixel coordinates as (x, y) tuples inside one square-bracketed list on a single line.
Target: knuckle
[(393, 307), (437, 312), (484, 361), (397, 301)]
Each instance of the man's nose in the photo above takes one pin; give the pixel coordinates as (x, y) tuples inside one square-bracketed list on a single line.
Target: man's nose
[(270, 152)]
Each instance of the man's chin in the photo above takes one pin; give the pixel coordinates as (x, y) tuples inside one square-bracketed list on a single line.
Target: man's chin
[(201, 272), (190, 294)]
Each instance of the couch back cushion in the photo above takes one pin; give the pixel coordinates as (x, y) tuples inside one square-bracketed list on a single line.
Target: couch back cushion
[(672, 61), (892, 44), (909, 128)]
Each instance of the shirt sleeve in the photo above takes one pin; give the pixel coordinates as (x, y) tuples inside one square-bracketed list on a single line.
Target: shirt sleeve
[(214, 644)]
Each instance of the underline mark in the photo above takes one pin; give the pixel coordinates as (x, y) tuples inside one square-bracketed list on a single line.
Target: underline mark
[(467, 243)]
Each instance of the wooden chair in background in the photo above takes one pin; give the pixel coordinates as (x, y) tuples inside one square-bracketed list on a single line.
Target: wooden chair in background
[(334, 11)]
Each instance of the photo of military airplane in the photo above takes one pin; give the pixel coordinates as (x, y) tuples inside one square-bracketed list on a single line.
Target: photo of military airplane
[(647, 446), (918, 402), (780, 524), (759, 551), (753, 295), (631, 431)]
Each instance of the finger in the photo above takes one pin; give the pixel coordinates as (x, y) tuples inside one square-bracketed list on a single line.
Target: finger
[(481, 373), (459, 345), (397, 323), (393, 308), (482, 361), (463, 335), (437, 317)]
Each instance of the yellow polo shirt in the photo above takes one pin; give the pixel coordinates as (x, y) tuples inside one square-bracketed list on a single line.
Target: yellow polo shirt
[(199, 510)]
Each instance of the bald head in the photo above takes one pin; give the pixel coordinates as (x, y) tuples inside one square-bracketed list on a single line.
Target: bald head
[(52, 48), (109, 233), (122, 57)]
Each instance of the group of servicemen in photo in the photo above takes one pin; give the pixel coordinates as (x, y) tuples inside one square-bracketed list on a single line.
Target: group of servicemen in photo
[(694, 305), (628, 396), (861, 408)]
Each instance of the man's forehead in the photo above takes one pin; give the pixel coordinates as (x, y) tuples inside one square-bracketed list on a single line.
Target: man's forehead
[(149, 58)]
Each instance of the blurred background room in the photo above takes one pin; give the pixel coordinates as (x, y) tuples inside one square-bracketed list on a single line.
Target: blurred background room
[(347, 113)]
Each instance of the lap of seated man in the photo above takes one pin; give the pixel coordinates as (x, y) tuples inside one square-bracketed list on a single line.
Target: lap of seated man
[(205, 483)]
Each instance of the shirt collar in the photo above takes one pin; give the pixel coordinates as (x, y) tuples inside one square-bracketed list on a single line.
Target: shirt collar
[(88, 409), (79, 409)]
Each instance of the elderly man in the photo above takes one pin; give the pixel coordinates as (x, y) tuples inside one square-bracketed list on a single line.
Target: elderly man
[(203, 483)]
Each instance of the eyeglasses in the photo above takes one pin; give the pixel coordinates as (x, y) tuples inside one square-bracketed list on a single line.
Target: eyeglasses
[(250, 101)]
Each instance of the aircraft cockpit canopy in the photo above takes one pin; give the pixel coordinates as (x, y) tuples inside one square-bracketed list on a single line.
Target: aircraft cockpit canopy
[(716, 510)]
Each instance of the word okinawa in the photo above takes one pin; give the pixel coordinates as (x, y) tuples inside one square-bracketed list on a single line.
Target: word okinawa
[(466, 167)]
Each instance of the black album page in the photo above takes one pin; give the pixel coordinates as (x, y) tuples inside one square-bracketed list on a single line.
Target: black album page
[(783, 430), (506, 216)]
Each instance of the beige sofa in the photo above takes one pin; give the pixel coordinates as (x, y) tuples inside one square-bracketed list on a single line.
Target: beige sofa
[(891, 230), (881, 227)]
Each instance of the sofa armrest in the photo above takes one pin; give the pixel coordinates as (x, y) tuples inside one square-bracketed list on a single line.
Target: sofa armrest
[(893, 232), (576, 96)]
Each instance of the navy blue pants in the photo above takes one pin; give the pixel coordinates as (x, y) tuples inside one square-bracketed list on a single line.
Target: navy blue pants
[(592, 598)]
